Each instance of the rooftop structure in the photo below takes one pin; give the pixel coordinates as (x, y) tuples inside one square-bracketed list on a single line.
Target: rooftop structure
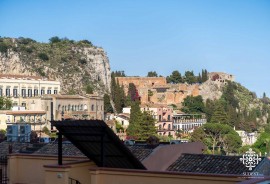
[(160, 161), (99, 143), (218, 164)]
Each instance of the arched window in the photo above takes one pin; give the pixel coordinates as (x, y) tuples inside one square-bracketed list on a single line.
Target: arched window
[(169, 127), (68, 107), (92, 107)]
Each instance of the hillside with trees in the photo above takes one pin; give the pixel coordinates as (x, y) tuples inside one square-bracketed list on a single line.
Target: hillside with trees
[(80, 66)]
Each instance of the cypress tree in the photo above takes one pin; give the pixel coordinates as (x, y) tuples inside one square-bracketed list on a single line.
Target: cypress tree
[(134, 121), (219, 115), (199, 79), (117, 93), (204, 75), (119, 98), (147, 126), (132, 91), (107, 104)]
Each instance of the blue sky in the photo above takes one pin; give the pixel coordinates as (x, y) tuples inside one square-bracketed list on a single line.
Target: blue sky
[(230, 36)]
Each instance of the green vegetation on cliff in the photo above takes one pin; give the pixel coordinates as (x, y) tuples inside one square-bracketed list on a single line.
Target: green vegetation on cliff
[(61, 58)]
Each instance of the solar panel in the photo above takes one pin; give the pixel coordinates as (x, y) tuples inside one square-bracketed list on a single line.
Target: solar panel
[(98, 142)]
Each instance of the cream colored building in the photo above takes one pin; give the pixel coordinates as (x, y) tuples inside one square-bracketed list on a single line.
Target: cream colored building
[(35, 118), (20, 87), (73, 106)]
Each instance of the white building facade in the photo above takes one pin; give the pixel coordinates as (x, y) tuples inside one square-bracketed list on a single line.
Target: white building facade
[(18, 87), (188, 122)]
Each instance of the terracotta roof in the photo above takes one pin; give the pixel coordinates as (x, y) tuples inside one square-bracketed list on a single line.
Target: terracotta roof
[(16, 147), (25, 77), (165, 155), (19, 76), (68, 149), (141, 151), (123, 115), (64, 96), (215, 164), (25, 112), (155, 106)]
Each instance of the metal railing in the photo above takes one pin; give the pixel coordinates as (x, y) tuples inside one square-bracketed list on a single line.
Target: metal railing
[(73, 181)]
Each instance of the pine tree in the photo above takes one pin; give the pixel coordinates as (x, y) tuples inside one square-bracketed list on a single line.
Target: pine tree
[(189, 77), (152, 74), (175, 77)]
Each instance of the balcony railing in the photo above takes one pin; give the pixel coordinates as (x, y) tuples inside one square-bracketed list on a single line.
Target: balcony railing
[(189, 120), (165, 129), (73, 181)]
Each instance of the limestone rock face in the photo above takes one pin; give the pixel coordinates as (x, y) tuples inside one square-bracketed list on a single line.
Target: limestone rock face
[(76, 65), (211, 90)]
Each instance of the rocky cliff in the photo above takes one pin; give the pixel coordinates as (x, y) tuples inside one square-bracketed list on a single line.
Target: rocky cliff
[(78, 65), (211, 90)]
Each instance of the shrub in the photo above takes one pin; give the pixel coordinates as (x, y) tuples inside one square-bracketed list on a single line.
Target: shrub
[(86, 42), (46, 130), (26, 49), (43, 56), (25, 41), (55, 39), (41, 72), (3, 47), (82, 61), (89, 89)]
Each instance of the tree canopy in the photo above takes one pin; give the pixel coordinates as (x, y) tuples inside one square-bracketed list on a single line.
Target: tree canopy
[(141, 124), (152, 74), (218, 135), (175, 77), (193, 104), (5, 103)]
